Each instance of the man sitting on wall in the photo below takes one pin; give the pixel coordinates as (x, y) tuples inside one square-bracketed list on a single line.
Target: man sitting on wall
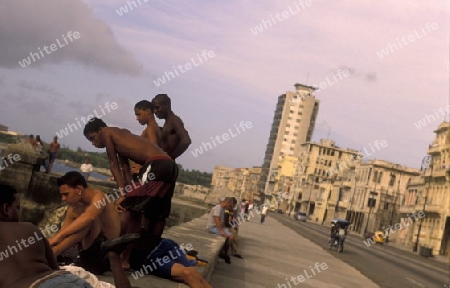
[(36, 265), (215, 225), (90, 220)]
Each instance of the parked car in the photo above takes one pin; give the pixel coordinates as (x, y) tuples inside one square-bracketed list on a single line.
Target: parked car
[(300, 216)]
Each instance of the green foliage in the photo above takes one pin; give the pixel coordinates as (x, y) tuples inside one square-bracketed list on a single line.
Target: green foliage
[(194, 177), (8, 139), (100, 160)]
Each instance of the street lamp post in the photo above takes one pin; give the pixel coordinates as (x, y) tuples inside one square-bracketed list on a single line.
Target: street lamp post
[(426, 163)]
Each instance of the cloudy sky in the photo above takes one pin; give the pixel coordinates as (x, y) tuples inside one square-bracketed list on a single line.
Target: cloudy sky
[(120, 54)]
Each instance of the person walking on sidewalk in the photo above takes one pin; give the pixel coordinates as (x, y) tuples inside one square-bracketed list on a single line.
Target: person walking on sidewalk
[(264, 213)]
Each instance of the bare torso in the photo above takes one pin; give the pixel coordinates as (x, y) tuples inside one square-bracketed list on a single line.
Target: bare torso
[(54, 146), (131, 146), (170, 139), (20, 269), (152, 134), (108, 221)]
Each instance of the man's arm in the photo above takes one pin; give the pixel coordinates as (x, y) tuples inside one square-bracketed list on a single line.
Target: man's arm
[(85, 219), (113, 160), (217, 222), (183, 134), (51, 259), (70, 217)]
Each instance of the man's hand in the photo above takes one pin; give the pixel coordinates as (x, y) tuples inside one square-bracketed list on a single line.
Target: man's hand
[(118, 202), (223, 233), (55, 240)]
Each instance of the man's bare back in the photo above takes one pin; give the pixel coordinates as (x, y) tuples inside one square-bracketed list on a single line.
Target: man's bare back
[(25, 253), (129, 145)]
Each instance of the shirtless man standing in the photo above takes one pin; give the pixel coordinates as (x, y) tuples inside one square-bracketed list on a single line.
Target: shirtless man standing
[(174, 136), (151, 197), (36, 265), (90, 219), (144, 115), (52, 153)]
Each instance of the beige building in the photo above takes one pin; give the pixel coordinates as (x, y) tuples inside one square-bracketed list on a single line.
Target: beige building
[(293, 124), (320, 174), (379, 189), (241, 183), (431, 194)]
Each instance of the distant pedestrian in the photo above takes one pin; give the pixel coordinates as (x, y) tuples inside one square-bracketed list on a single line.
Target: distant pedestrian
[(231, 214), (39, 146), (264, 213), (247, 205), (243, 206), (86, 168), (52, 154), (32, 141)]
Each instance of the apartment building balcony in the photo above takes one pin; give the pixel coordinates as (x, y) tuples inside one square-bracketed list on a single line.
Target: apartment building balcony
[(343, 204), (347, 184), (434, 149), (407, 209), (440, 172), (432, 208)]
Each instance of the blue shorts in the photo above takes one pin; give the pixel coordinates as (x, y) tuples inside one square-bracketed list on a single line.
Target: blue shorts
[(163, 257), (62, 280), (215, 230)]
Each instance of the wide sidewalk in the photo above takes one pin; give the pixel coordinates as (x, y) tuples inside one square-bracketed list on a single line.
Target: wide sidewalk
[(273, 254)]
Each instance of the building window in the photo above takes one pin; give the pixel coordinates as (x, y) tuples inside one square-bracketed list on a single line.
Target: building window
[(392, 180)]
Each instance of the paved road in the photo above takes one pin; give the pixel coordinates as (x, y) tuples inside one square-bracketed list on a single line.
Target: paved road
[(386, 266), (277, 257)]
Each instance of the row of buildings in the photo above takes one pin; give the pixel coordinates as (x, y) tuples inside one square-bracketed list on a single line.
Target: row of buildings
[(326, 181)]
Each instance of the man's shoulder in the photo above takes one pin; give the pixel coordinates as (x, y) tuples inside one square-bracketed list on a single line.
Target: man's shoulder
[(175, 119), (18, 226)]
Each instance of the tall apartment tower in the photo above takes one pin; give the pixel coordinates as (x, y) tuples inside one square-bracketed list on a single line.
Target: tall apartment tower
[(293, 124)]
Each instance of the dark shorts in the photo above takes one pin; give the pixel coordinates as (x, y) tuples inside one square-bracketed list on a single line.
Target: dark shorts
[(91, 259), (153, 196), (51, 156), (161, 260)]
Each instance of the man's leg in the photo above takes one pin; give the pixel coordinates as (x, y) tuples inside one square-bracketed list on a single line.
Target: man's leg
[(120, 278), (70, 241), (86, 237), (131, 222), (50, 164), (234, 244), (189, 276)]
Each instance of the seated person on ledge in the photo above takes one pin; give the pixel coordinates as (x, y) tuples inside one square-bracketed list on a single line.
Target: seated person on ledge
[(36, 265), (90, 219), (215, 225), (151, 196)]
